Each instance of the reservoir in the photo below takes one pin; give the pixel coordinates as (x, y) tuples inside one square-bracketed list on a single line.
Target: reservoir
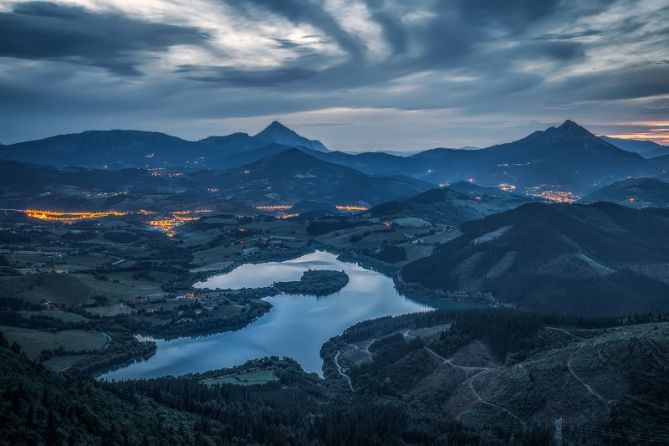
[(296, 326)]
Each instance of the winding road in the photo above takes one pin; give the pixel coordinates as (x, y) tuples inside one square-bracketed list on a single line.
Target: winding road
[(341, 371)]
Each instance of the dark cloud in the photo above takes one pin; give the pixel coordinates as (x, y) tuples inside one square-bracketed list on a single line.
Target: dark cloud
[(247, 78), (511, 14), (40, 30)]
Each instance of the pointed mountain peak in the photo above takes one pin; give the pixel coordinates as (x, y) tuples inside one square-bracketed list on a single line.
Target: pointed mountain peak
[(276, 129), (569, 131), (277, 125), (571, 128), (280, 134), (569, 124)]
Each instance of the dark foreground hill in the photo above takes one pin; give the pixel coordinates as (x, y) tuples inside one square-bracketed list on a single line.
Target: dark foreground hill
[(635, 192), (587, 382), (601, 259), (41, 407)]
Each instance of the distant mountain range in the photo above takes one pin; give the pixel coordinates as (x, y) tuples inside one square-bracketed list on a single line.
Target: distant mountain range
[(287, 177), (647, 149), (566, 157), (131, 148), (635, 192), (595, 260)]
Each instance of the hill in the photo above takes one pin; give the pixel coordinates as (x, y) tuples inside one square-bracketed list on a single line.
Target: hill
[(493, 370), (647, 149), (600, 259), (40, 406), (635, 192), (449, 206), (294, 175)]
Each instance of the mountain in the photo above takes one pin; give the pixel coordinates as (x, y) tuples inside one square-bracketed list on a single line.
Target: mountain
[(448, 206), (567, 157), (117, 148), (280, 134), (293, 175), (647, 149), (132, 148), (594, 260), (635, 192)]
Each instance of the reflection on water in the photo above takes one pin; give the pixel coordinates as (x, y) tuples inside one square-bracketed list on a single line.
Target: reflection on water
[(296, 326)]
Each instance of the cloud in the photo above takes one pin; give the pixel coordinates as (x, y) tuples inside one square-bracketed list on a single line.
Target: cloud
[(48, 31), (307, 12)]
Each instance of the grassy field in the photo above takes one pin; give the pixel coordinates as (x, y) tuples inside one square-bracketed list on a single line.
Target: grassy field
[(63, 316), (121, 286), (33, 341), (62, 289)]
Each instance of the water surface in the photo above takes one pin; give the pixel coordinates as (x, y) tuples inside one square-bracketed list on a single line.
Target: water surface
[(296, 326)]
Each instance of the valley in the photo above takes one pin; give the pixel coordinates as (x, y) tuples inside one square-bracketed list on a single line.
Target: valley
[(479, 307)]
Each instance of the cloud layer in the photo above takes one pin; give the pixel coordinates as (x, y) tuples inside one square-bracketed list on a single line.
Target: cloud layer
[(364, 74)]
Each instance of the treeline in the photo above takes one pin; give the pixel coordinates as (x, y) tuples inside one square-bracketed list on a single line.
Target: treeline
[(316, 283), (504, 331)]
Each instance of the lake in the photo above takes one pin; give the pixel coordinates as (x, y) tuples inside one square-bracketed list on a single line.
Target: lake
[(296, 326)]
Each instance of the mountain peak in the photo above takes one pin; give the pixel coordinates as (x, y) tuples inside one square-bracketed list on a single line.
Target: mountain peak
[(571, 128), (569, 131), (278, 133), (278, 125)]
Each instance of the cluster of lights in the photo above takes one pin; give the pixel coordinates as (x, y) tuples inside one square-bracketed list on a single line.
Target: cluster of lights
[(558, 196), (70, 217), (160, 173), (351, 208), (287, 215), (506, 187), (178, 218), (274, 207), (167, 225)]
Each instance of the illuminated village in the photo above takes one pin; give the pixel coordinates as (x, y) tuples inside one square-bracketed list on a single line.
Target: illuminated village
[(167, 225)]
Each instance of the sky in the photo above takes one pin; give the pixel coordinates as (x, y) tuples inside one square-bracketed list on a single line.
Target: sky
[(356, 74)]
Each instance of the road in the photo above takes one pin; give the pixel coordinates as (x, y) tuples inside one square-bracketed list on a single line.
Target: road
[(341, 371)]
